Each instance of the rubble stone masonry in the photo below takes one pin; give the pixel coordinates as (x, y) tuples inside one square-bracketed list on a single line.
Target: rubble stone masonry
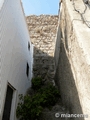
[(43, 31)]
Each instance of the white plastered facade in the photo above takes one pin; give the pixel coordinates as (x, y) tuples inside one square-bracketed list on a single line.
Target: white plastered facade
[(14, 53)]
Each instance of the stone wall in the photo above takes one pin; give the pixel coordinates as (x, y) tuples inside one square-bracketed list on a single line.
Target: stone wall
[(73, 70), (43, 31)]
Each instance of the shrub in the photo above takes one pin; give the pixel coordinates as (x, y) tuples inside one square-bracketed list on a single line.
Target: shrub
[(37, 83), (30, 108), (23, 109), (50, 95)]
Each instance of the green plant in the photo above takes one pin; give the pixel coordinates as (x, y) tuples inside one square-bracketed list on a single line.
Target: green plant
[(37, 83), (30, 108), (50, 95), (24, 106)]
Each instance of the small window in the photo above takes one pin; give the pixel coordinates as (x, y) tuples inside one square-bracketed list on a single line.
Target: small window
[(28, 46), (27, 70)]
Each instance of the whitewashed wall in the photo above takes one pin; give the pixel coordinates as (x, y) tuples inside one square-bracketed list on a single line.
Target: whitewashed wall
[(14, 51), (1, 3)]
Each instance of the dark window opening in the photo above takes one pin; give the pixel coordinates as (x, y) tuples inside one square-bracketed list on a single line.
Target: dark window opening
[(8, 102), (27, 70), (28, 46)]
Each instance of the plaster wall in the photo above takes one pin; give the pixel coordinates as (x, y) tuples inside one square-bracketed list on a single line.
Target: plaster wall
[(57, 47), (14, 53), (1, 3), (73, 70)]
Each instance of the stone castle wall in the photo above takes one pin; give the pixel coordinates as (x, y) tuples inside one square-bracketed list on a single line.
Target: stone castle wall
[(43, 31)]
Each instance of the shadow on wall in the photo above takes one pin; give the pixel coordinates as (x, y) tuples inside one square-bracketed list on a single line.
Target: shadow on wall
[(43, 65), (65, 81)]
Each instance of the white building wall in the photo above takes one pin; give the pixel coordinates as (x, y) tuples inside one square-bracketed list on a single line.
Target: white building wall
[(1, 3), (14, 51)]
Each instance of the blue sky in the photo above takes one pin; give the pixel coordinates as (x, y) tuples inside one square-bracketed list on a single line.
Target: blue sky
[(38, 7)]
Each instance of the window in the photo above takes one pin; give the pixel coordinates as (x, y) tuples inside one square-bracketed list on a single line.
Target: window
[(28, 46), (27, 70)]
